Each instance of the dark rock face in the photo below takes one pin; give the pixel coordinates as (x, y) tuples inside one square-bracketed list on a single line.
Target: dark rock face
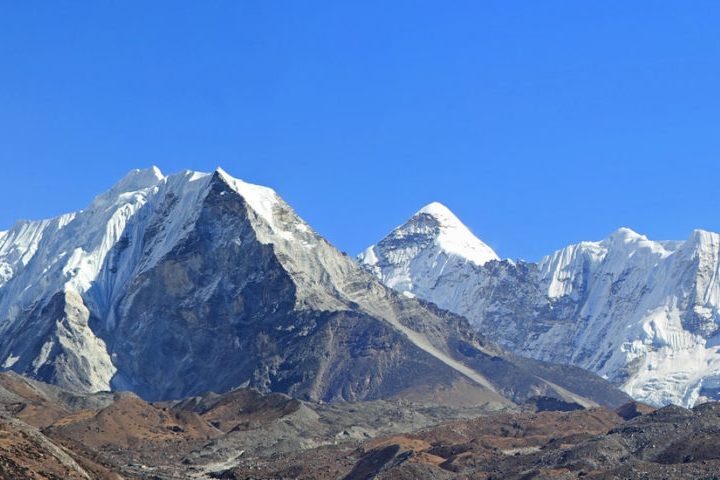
[(206, 313)]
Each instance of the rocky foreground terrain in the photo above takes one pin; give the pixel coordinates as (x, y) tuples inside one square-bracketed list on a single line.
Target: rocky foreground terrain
[(49, 433)]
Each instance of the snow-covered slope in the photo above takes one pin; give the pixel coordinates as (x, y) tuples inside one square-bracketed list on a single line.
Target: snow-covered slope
[(641, 313)]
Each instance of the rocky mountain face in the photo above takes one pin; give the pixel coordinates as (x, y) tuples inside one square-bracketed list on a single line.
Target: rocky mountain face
[(640, 313), (174, 286)]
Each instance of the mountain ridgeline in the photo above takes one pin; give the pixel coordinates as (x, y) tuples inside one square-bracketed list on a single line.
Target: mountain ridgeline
[(173, 286), (643, 314)]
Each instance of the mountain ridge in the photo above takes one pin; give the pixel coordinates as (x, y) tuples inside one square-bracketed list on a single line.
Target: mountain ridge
[(172, 286), (641, 313)]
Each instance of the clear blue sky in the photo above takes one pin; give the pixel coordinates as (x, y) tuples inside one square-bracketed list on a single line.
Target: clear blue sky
[(539, 123)]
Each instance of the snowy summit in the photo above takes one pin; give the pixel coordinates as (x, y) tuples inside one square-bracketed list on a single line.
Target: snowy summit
[(432, 243), (455, 238)]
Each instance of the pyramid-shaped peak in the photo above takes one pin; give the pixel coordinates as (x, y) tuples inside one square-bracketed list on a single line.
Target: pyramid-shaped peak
[(260, 198), (224, 175), (454, 237), (442, 213)]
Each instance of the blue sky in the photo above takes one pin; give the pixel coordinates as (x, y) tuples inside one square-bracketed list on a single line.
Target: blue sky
[(540, 124)]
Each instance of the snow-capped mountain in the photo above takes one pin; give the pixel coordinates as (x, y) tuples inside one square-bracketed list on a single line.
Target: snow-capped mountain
[(417, 253), (643, 314), (171, 286)]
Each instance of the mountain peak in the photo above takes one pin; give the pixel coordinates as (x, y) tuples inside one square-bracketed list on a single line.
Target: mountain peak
[(138, 179), (625, 241), (453, 236), (261, 199), (444, 216), (626, 235), (432, 240), (222, 174), (439, 211)]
